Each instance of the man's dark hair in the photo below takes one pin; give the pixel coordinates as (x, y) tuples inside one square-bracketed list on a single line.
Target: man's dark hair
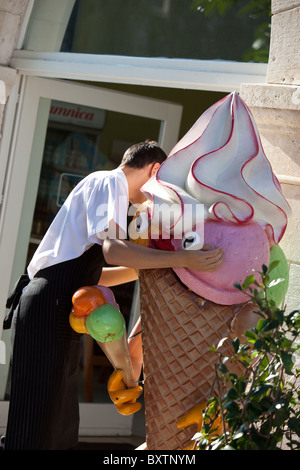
[(143, 154)]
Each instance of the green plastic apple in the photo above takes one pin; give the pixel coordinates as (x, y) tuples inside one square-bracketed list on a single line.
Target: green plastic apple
[(106, 323)]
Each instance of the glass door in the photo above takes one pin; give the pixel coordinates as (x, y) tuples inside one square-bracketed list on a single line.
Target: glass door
[(71, 130)]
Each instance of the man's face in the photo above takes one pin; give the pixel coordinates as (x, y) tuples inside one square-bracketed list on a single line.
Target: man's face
[(136, 196), (141, 176)]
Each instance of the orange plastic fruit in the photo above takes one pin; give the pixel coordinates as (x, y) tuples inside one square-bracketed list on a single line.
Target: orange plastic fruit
[(86, 299), (77, 323)]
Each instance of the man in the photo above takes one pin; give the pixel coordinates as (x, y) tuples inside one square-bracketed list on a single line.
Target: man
[(89, 229)]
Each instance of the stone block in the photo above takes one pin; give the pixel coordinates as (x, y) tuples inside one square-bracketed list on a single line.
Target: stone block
[(280, 139), (284, 56), (276, 111), (290, 241), (293, 300), (9, 26), (281, 5), (274, 96), (15, 7)]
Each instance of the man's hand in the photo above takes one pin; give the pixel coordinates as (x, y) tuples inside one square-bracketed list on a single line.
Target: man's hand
[(203, 260), (124, 398)]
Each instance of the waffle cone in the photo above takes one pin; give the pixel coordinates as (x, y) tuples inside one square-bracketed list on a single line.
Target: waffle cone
[(179, 371)]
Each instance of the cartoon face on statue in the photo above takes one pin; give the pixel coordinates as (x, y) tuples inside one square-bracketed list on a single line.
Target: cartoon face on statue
[(246, 248)]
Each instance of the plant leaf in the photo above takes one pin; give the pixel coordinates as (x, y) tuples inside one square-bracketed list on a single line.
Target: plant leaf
[(273, 265)]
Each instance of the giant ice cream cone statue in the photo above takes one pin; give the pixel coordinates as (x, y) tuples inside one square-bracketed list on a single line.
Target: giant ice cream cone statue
[(216, 187)]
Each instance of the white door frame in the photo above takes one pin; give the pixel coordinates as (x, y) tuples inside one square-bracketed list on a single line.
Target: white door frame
[(21, 185)]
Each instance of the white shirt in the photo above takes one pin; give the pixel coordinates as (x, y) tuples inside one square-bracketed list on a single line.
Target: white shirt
[(89, 214)]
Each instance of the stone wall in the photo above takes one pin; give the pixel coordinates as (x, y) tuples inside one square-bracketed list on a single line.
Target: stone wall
[(284, 57), (276, 109), (11, 17)]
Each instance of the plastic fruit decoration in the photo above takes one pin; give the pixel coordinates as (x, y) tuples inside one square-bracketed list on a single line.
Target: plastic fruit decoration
[(195, 416), (93, 314), (105, 323), (124, 398), (87, 299), (77, 323)]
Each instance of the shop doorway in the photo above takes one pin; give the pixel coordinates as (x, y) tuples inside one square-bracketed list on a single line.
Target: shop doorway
[(63, 131)]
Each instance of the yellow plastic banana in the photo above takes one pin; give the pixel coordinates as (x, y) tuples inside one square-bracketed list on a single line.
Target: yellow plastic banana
[(195, 416), (124, 398)]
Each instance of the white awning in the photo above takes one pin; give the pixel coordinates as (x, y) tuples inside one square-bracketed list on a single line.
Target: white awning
[(213, 75)]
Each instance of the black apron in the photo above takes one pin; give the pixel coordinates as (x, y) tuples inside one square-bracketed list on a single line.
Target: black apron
[(44, 408)]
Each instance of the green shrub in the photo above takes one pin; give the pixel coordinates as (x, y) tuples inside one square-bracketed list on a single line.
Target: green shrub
[(260, 408)]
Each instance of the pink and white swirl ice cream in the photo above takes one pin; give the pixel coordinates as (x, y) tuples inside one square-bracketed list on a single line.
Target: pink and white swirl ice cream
[(222, 191)]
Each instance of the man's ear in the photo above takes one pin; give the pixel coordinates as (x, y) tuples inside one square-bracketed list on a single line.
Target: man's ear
[(154, 168)]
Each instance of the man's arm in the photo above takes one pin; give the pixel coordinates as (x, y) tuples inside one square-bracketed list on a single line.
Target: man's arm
[(127, 253), (116, 276), (136, 349), (118, 252)]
